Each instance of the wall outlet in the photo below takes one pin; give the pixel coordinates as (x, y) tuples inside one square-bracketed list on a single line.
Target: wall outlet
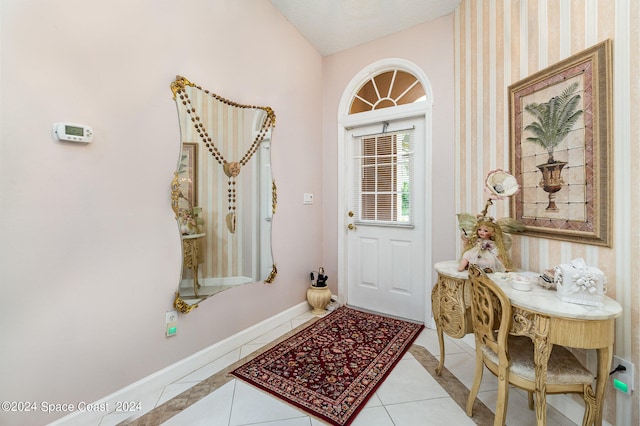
[(622, 380), (171, 322)]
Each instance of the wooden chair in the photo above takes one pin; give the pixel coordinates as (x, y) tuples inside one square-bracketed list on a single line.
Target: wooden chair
[(511, 358)]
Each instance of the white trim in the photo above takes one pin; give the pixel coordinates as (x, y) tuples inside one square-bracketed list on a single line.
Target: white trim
[(467, 106), (622, 219), (158, 380), (346, 121), (388, 114), (457, 118)]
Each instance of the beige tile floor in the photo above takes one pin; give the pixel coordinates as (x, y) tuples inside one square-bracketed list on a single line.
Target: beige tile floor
[(409, 396)]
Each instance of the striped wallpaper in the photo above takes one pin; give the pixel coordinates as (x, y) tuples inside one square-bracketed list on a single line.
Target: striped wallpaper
[(499, 42)]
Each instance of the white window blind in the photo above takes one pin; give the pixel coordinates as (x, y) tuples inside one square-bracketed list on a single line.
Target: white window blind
[(383, 178)]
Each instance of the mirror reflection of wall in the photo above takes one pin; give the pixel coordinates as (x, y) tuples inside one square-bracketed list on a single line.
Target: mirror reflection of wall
[(223, 192)]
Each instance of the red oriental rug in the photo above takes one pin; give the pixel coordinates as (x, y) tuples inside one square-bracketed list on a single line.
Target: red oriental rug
[(332, 367)]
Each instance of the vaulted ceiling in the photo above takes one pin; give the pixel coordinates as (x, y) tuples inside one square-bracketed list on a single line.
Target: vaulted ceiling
[(335, 25)]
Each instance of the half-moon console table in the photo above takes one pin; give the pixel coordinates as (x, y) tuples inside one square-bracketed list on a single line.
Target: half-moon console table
[(538, 314)]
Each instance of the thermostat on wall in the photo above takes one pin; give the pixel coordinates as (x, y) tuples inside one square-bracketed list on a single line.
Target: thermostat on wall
[(73, 132)]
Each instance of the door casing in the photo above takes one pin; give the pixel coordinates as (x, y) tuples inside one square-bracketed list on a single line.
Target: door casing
[(423, 110)]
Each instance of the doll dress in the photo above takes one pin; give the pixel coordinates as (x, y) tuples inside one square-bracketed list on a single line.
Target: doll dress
[(485, 255)]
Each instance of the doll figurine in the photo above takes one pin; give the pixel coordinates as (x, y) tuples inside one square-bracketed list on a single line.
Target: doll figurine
[(486, 248)]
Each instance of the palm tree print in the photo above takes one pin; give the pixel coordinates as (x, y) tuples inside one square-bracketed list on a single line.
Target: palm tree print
[(554, 119)]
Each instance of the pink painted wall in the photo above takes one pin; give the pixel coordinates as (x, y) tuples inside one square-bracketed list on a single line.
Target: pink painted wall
[(89, 250), (429, 46)]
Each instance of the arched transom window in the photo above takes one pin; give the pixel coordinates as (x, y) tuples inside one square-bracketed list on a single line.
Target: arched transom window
[(387, 89)]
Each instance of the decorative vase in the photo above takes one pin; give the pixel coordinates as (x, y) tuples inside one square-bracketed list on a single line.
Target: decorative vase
[(318, 298), (552, 181)]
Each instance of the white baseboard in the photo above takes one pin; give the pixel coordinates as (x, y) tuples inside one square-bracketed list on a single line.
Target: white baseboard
[(158, 380)]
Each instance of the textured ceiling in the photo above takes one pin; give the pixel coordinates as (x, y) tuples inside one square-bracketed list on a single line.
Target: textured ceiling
[(335, 25)]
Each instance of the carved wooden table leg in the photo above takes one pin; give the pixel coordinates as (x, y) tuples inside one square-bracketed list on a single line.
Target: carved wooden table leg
[(450, 299), (542, 351), (435, 303), (604, 361)]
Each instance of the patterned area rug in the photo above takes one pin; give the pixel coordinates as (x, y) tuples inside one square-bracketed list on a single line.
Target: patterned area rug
[(331, 368)]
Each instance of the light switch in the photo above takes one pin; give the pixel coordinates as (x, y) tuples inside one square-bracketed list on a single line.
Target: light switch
[(307, 199)]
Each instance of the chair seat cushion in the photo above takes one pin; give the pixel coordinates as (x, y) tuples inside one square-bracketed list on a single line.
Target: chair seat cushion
[(563, 367)]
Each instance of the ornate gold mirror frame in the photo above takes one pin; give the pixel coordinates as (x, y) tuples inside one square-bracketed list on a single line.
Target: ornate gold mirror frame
[(223, 201)]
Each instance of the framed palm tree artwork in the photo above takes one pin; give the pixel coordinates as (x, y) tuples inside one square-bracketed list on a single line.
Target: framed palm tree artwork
[(561, 148)]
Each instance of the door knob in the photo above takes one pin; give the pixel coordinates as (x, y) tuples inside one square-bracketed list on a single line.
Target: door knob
[(350, 214), (351, 227)]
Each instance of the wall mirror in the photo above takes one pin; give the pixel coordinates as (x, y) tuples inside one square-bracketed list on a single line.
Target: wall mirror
[(223, 193)]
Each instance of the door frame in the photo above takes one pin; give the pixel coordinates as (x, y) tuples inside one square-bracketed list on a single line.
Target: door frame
[(420, 110)]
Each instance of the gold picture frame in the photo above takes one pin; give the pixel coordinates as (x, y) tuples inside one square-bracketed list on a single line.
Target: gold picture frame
[(560, 124)]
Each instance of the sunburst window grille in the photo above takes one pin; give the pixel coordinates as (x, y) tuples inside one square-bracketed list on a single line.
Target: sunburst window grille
[(387, 89)]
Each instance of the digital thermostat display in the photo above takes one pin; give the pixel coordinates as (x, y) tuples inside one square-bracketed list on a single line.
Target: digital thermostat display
[(73, 132)]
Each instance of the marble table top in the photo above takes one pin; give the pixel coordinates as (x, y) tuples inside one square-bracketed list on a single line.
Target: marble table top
[(539, 299)]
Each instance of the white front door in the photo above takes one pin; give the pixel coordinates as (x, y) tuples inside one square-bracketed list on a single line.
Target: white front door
[(385, 235)]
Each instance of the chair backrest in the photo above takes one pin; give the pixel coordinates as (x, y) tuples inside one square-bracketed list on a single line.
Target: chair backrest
[(490, 313)]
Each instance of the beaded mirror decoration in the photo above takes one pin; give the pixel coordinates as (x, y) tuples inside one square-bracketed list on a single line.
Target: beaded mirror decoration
[(231, 168)]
